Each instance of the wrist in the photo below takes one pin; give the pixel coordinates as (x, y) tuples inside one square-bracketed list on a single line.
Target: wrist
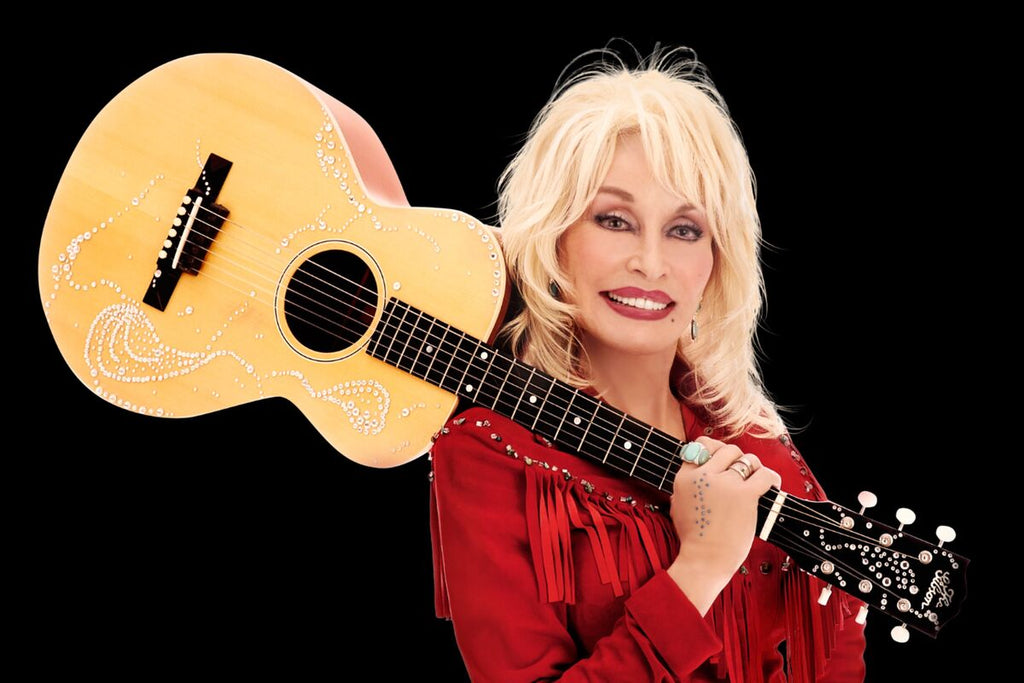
[(700, 585)]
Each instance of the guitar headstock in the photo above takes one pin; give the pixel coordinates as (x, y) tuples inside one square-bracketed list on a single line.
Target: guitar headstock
[(920, 583)]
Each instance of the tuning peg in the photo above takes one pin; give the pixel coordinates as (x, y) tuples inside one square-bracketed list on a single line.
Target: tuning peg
[(862, 614), (867, 500), (905, 516), (826, 593), (945, 533), (900, 634)]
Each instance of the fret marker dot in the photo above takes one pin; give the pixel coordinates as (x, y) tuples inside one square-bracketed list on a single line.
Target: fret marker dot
[(483, 355), (430, 349), (533, 399), (627, 445), (469, 388), (576, 420)]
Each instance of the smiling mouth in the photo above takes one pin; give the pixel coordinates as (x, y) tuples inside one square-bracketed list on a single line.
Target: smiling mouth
[(638, 302)]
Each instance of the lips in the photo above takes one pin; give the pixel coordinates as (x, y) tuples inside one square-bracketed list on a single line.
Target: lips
[(639, 303)]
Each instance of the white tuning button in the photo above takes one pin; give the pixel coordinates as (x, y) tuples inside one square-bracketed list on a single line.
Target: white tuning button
[(826, 593), (905, 516), (945, 534), (900, 634), (867, 500), (862, 614)]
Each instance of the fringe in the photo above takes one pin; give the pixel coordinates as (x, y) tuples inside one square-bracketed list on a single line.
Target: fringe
[(811, 629), (741, 639), (442, 608), (556, 506)]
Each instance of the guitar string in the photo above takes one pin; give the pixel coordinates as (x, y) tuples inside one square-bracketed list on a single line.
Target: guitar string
[(669, 456), (855, 576), (269, 284), (594, 404), (794, 502), (897, 588)]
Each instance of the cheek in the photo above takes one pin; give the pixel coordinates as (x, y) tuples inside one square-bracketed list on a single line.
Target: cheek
[(697, 270), (706, 265)]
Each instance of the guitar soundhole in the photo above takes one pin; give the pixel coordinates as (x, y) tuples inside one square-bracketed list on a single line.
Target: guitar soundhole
[(331, 301)]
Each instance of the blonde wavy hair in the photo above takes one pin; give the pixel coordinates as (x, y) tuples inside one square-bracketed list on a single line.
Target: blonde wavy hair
[(694, 148)]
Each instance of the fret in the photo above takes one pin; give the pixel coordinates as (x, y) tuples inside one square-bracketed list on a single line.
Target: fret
[(543, 401), (577, 421), (611, 442), (565, 413), (438, 351), (519, 401), (483, 362), (530, 403), (640, 451), (513, 367), (446, 357), (426, 346), (590, 423), (476, 371), (398, 329), (452, 351), (461, 387), (616, 454), (674, 448), (641, 454), (379, 334), (410, 328)]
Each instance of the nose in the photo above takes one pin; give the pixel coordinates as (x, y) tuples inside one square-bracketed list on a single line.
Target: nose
[(648, 257)]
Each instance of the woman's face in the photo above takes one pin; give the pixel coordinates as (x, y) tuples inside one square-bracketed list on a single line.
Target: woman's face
[(638, 259)]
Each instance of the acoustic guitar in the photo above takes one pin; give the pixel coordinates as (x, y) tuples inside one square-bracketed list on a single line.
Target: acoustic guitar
[(225, 232)]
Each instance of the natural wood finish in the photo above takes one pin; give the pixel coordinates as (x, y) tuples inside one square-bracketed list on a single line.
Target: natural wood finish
[(293, 187)]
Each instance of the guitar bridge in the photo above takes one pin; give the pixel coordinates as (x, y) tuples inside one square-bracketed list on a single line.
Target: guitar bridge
[(191, 234)]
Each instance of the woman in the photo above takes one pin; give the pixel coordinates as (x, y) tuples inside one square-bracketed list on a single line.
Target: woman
[(629, 224)]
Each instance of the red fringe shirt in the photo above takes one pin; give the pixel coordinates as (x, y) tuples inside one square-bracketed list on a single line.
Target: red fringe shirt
[(552, 567)]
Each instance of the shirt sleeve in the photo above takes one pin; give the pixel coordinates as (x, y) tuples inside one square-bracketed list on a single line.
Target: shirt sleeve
[(504, 630)]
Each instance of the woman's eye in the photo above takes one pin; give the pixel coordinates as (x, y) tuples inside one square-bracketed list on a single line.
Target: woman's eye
[(612, 222), (687, 232)]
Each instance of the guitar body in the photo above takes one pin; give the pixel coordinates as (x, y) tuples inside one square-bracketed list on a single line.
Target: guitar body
[(290, 206), (214, 241)]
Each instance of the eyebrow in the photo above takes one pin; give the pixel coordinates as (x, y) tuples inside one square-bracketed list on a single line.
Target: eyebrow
[(628, 196)]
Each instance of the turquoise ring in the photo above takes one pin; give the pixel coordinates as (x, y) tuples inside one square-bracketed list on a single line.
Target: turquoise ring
[(695, 453)]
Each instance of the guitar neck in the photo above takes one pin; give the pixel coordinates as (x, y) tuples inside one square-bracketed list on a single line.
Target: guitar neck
[(916, 582), (436, 352)]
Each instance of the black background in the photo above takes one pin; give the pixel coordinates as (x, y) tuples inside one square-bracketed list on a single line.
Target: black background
[(241, 543)]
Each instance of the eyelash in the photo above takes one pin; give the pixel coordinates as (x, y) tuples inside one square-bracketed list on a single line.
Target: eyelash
[(604, 218)]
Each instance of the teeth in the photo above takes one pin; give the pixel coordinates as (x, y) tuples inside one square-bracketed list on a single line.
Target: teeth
[(637, 302)]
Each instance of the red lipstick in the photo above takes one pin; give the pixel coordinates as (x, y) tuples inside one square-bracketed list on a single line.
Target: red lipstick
[(639, 304)]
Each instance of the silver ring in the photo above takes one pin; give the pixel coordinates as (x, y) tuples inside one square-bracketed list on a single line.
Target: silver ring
[(742, 468)]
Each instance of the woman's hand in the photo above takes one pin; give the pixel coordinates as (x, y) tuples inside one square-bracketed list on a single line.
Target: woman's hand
[(714, 510)]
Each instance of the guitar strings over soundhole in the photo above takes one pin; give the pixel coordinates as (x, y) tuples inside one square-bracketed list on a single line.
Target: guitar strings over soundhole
[(330, 301)]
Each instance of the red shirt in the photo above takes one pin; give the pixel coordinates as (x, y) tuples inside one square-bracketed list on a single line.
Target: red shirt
[(552, 567)]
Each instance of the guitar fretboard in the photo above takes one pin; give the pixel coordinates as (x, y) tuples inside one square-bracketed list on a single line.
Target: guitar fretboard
[(436, 352)]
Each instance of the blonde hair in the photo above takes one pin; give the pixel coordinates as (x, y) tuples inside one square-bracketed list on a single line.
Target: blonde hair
[(694, 148)]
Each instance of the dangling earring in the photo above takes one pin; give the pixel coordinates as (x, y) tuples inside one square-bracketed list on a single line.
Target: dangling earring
[(694, 329), (553, 289)]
